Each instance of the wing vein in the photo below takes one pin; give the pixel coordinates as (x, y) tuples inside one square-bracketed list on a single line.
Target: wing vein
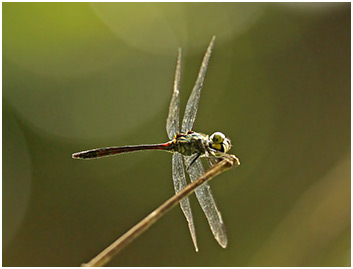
[(193, 102), (173, 115), (179, 181), (207, 202)]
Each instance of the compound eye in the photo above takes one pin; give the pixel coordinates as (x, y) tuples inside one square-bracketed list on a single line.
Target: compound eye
[(226, 145), (217, 137)]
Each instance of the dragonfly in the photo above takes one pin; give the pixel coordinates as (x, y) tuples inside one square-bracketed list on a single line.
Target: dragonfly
[(187, 147)]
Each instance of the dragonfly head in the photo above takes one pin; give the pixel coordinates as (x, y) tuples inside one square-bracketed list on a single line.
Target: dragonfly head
[(220, 142)]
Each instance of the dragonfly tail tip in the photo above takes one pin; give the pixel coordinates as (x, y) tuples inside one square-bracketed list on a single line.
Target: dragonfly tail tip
[(76, 155)]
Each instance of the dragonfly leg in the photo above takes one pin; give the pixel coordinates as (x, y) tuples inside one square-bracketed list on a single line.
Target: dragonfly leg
[(212, 161), (214, 156), (211, 158), (196, 156)]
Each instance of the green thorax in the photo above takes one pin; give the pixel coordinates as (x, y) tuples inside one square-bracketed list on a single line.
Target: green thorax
[(190, 143)]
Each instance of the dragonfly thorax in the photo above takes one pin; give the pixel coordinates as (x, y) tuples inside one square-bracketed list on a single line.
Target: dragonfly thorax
[(197, 143), (190, 143)]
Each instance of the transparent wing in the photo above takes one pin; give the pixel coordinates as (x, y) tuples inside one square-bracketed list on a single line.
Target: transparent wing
[(173, 116), (193, 102), (179, 181), (207, 202)]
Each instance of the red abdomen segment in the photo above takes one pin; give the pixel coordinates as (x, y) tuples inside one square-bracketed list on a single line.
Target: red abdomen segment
[(109, 151)]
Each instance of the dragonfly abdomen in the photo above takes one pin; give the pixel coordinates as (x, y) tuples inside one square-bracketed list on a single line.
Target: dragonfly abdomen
[(109, 151)]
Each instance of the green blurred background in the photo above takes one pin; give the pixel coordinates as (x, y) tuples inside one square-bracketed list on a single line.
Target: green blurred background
[(78, 76)]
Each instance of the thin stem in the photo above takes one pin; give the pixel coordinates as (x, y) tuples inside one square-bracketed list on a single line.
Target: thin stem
[(107, 254)]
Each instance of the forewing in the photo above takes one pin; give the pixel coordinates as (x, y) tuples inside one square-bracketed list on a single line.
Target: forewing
[(207, 202), (193, 102), (179, 181), (173, 116)]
